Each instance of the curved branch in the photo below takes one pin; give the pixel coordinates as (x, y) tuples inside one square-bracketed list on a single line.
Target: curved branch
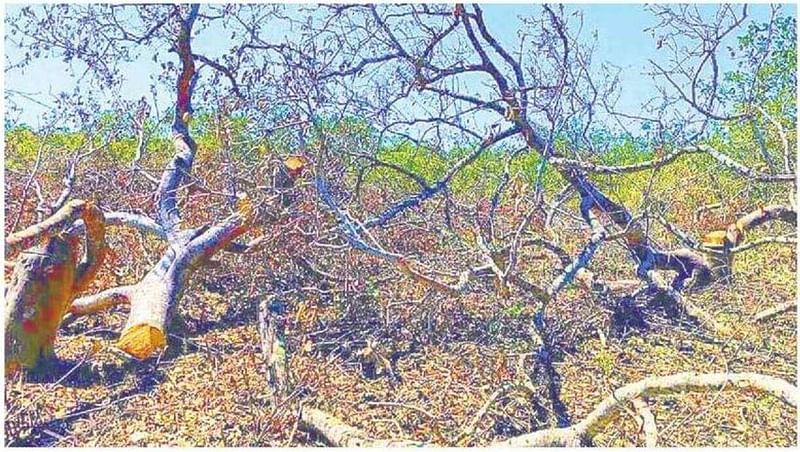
[(409, 174), (744, 170), (605, 412), (621, 169), (668, 158), (339, 434), (140, 222), (224, 70), (181, 164), (735, 233), (147, 225)]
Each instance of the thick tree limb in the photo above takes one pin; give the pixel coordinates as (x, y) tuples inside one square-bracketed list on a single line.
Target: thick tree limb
[(185, 147), (141, 223), (101, 301), (94, 243), (604, 413), (338, 434), (571, 270), (147, 225), (720, 246), (59, 221), (154, 299)]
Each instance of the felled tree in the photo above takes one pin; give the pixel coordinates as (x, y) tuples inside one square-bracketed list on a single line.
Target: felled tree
[(340, 434), (535, 99), (76, 33), (532, 99), (153, 299), (537, 95)]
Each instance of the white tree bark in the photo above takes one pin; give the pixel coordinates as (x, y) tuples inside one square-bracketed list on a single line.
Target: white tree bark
[(583, 431)]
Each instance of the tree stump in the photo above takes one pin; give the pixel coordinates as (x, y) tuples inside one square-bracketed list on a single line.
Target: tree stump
[(37, 297)]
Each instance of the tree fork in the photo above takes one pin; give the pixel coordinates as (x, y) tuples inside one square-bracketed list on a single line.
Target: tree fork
[(154, 299)]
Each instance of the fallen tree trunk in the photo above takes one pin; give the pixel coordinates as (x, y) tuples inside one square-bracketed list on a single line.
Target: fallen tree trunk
[(153, 300)]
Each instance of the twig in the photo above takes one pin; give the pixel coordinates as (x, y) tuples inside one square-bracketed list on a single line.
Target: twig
[(775, 310), (469, 429), (294, 427)]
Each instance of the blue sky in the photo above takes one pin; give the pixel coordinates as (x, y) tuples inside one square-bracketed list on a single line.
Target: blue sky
[(621, 41)]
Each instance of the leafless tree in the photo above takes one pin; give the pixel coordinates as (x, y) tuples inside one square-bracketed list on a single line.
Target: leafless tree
[(410, 71)]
